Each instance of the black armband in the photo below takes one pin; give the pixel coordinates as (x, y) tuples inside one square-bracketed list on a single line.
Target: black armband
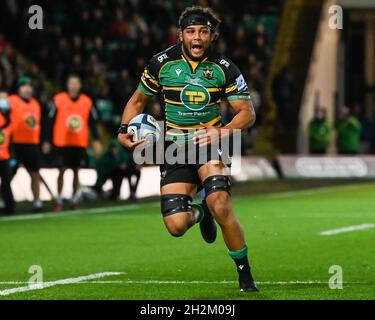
[(123, 129)]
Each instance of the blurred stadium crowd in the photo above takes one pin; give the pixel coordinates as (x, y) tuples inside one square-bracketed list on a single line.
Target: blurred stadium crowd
[(108, 43)]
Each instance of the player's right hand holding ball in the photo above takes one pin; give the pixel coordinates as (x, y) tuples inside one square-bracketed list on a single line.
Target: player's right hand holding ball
[(126, 140)]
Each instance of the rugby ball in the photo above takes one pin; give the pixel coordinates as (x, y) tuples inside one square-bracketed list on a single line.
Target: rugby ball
[(145, 127)]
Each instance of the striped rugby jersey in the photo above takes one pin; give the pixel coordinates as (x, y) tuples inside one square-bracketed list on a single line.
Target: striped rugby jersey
[(191, 91)]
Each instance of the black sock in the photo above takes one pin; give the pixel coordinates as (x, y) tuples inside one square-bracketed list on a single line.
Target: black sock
[(243, 269), (204, 206), (242, 264)]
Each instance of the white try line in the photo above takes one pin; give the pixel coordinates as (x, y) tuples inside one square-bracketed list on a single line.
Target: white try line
[(347, 229), (43, 285)]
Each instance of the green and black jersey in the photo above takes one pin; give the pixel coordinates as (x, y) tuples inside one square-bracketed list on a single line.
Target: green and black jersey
[(192, 91)]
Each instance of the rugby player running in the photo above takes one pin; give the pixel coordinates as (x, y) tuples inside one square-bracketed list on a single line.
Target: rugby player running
[(192, 78)]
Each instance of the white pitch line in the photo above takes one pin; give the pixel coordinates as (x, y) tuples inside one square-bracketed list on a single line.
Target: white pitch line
[(204, 282), (43, 285), (347, 229), (69, 213), (292, 282), (187, 282)]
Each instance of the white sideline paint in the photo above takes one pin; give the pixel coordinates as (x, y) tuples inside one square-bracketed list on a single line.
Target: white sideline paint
[(347, 229), (291, 282), (69, 213), (43, 285), (203, 282), (87, 281)]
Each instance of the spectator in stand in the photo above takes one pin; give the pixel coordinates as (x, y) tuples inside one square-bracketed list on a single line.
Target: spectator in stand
[(173, 36), (26, 129), (319, 132), (282, 91), (348, 130), (123, 88), (120, 28)]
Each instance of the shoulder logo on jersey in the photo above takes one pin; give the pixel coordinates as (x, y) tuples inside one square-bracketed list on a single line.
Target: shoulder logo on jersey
[(178, 72), (195, 97), (224, 62), (241, 83), (208, 73), (74, 123), (162, 57)]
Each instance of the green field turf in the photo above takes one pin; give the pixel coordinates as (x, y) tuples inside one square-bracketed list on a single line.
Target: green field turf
[(290, 258)]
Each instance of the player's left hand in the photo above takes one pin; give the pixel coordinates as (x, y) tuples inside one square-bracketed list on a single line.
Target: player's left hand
[(208, 135)]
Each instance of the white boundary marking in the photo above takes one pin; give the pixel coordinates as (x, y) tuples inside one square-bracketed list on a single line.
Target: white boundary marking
[(87, 280), (189, 282), (69, 213), (347, 229), (43, 285), (174, 282)]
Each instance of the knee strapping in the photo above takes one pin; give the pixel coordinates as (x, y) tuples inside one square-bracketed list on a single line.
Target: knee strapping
[(217, 183), (175, 203)]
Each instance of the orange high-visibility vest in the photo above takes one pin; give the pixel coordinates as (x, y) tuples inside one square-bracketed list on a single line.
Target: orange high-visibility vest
[(25, 120), (4, 140), (71, 127)]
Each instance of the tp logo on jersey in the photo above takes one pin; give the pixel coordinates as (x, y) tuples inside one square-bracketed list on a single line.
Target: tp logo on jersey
[(195, 97)]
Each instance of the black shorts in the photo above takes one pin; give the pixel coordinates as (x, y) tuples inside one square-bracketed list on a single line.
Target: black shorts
[(29, 155), (188, 173), (71, 157)]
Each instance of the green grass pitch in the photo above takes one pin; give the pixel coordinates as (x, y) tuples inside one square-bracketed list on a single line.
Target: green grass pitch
[(290, 258)]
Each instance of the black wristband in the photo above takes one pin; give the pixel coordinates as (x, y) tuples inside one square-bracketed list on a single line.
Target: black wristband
[(123, 129)]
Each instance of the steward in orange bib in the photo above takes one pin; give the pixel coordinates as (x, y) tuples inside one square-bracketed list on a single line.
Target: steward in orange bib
[(5, 170), (71, 119), (25, 118)]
